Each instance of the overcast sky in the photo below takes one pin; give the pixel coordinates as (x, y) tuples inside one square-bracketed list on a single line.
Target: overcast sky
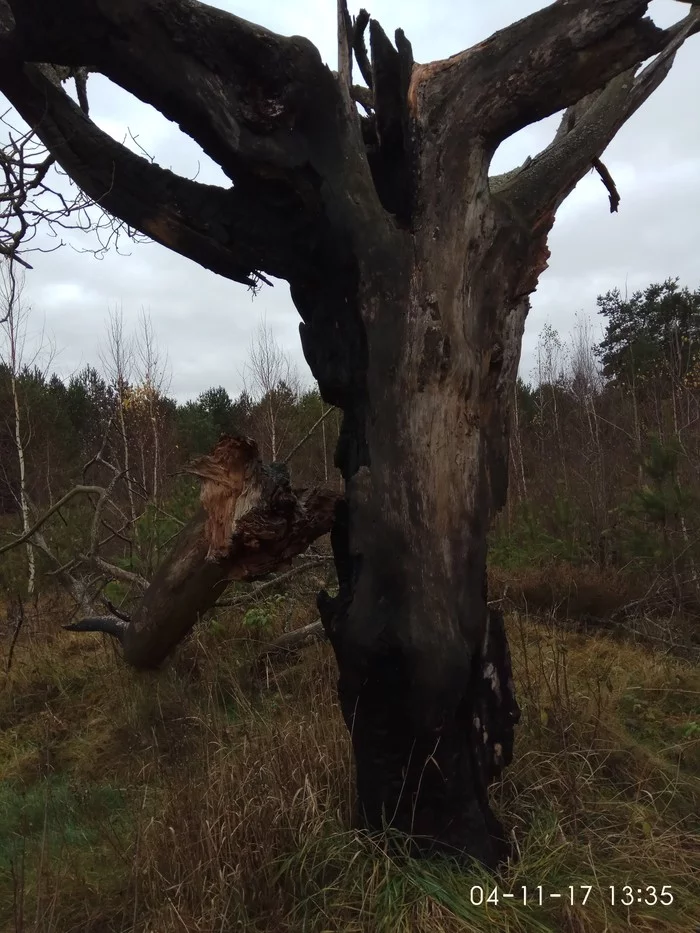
[(205, 322)]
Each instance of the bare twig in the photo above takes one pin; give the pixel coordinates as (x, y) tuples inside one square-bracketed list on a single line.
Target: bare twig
[(98, 458), (34, 192), (76, 491), (271, 584), (307, 435), (104, 498)]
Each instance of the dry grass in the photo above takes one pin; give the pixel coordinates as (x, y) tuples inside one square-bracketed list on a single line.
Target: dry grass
[(186, 802), (589, 598)]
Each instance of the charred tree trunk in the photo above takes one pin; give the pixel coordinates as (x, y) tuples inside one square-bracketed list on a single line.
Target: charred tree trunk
[(425, 681), (250, 523)]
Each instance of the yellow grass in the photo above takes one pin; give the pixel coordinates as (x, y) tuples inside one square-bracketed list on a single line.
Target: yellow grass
[(188, 801)]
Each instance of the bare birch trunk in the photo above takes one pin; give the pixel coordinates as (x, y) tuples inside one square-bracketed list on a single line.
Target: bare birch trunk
[(23, 498)]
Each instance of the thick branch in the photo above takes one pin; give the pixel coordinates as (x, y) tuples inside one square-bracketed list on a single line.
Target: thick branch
[(391, 160), (386, 80), (360, 49), (166, 52), (229, 231), (542, 64), (113, 572), (108, 625), (344, 48), (538, 188)]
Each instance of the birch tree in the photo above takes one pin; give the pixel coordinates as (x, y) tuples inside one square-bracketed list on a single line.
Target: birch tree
[(15, 357)]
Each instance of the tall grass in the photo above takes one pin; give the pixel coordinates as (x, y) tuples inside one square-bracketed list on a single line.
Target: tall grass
[(191, 801)]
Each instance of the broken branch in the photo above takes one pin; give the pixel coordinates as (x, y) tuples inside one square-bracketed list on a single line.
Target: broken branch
[(609, 183), (360, 49), (250, 522), (363, 96)]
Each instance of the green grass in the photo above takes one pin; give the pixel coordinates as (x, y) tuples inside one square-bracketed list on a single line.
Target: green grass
[(56, 812), (184, 800)]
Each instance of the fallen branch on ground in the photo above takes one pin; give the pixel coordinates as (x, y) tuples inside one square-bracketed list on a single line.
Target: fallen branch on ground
[(287, 648), (264, 588)]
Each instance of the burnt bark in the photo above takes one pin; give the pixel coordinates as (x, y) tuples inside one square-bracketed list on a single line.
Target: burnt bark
[(250, 523), (411, 271), (425, 681)]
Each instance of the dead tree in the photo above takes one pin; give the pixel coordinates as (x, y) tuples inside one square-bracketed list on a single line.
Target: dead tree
[(411, 270)]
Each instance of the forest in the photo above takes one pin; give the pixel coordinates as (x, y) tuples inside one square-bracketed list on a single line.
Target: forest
[(604, 478)]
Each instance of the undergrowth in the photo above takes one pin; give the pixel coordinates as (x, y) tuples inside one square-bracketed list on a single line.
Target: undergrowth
[(189, 800)]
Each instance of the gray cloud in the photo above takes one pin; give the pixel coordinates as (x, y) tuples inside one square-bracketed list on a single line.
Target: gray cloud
[(205, 323)]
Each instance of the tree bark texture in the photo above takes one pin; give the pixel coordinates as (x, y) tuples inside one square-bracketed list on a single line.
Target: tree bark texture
[(411, 270), (250, 522), (425, 681)]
